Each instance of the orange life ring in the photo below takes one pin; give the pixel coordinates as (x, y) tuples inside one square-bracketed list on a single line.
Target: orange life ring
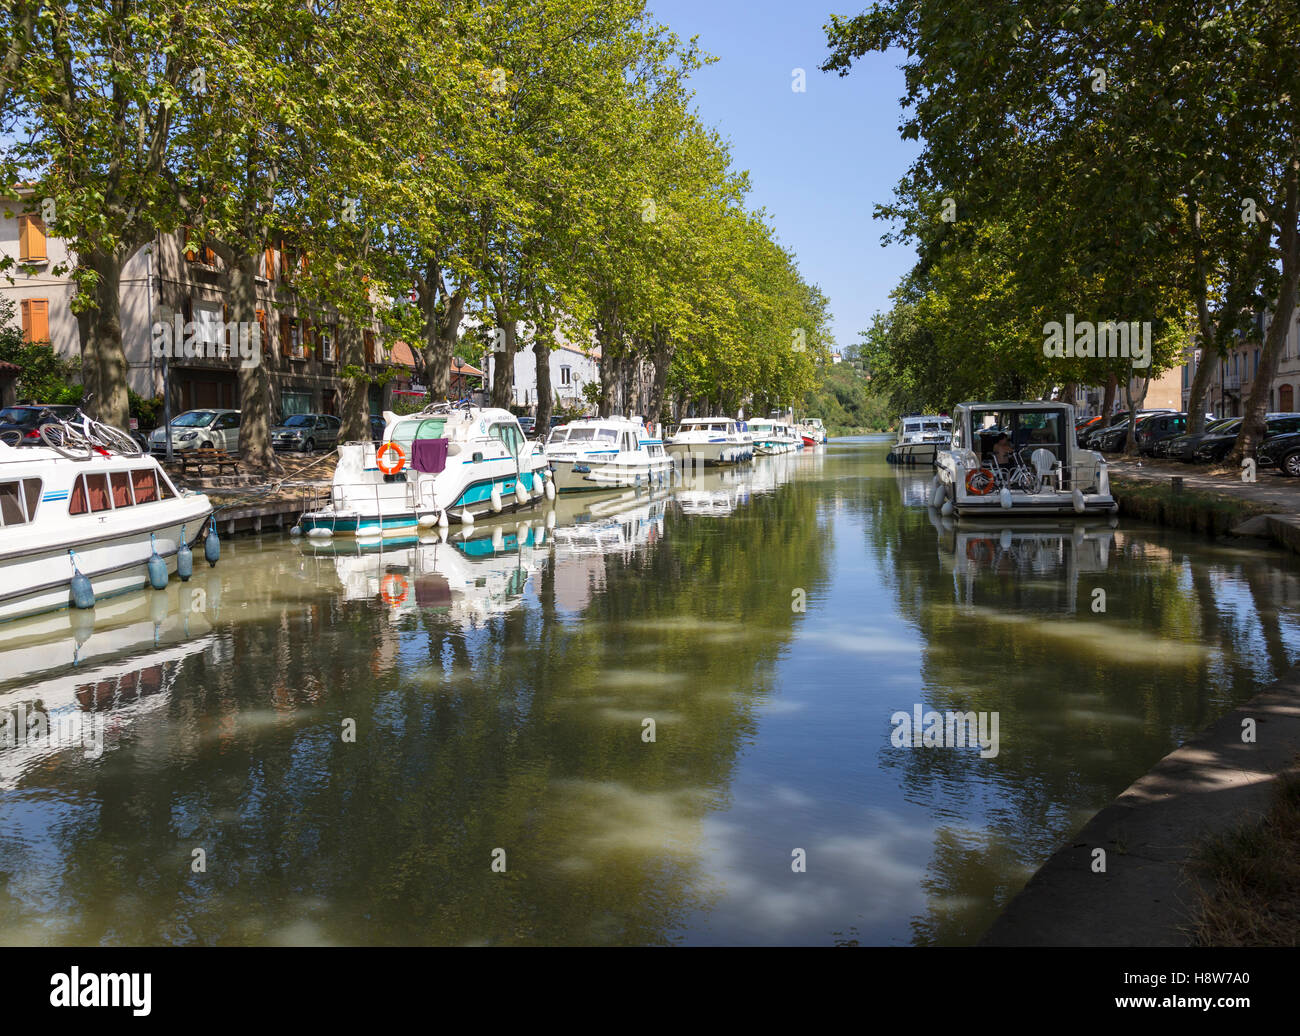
[(988, 482), (392, 588), (396, 466)]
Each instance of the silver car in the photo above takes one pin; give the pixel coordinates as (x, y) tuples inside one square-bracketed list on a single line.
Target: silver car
[(199, 429), (306, 432)]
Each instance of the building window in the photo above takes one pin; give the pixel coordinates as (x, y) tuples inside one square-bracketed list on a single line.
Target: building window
[(1186, 370), (31, 239), (195, 252), (291, 338), (328, 333), (36, 320), (566, 375), (1256, 374), (372, 347)]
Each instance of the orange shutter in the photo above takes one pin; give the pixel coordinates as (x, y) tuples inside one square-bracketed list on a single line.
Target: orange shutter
[(306, 336), (284, 337), (284, 261), (261, 324), (31, 239), (36, 320), (270, 264), (191, 250)]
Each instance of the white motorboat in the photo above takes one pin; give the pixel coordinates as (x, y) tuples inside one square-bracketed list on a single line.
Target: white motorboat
[(711, 441), (449, 462), (772, 436), (606, 453), (812, 430), (91, 511), (1019, 458), (920, 437)]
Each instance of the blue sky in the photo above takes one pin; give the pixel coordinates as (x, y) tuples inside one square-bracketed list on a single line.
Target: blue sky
[(819, 161)]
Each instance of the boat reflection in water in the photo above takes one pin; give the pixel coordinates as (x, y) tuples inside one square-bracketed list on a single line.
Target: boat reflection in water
[(1049, 555), (71, 683)]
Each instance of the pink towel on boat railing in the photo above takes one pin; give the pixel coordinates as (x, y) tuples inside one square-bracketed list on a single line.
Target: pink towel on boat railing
[(429, 455)]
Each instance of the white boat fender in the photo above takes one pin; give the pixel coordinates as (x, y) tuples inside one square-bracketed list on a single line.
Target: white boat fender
[(83, 594), (521, 494), (427, 521), (211, 544), (938, 494), (466, 516), (498, 540), (1004, 498), (296, 531), (319, 532), (157, 567), (946, 509), (550, 489), (1079, 505), (496, 498), (550, 519), (444, 522), (184, 559)]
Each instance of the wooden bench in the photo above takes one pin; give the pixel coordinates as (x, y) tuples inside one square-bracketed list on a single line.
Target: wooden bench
[(200, 458)]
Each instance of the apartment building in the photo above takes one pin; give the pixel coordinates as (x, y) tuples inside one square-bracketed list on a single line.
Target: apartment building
[(1234, 377), (174, 280)]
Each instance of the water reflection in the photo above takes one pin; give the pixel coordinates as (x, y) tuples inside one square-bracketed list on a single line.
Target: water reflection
[(500, 680)]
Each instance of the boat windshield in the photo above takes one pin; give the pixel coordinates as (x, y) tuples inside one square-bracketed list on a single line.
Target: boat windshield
[(1028, 430), (406, 432), (558, 435), (607, 434), (581, 434)]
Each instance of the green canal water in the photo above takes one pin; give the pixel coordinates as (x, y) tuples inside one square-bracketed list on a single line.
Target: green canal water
[(502, 784)]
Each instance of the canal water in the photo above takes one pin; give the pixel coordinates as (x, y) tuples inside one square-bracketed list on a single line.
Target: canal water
[(451, 742)]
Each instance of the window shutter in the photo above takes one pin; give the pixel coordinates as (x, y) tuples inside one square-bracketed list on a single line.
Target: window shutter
[(27, 320), (40, 310), (284, 261), (191, 250), (31, 239), (261, 325), (285, 349), (307, 332), (270, 264), (225, 320)]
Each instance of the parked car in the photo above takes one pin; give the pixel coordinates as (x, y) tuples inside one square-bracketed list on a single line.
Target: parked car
[(306, 433), (1215, 446), (1156, 429), (1082, 428), (377, 428), (199, 429), (21, 425), (1183, 447), (1092, 438), (529, 425), (1282, 451)]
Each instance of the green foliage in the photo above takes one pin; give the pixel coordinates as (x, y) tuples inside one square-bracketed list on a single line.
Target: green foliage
[(43, 376), (847, 402)]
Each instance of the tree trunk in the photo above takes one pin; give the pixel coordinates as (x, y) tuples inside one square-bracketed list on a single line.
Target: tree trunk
[(103, 363), (609, 362), (441, 333), (545, 395), (254, 379), (662, 359), (503, 365), (1252, 428), (1108, 402), (1134, 405), (354, 408)]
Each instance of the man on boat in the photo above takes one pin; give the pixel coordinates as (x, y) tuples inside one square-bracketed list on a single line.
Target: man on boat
[(1003, 452)]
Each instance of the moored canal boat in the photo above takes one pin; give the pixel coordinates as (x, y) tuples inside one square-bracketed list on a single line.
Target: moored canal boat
[(920, 437), (813, 431), (772, 436), (606, 453), (711, 441), (1019, 457), (448, 462), (92, 509)]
